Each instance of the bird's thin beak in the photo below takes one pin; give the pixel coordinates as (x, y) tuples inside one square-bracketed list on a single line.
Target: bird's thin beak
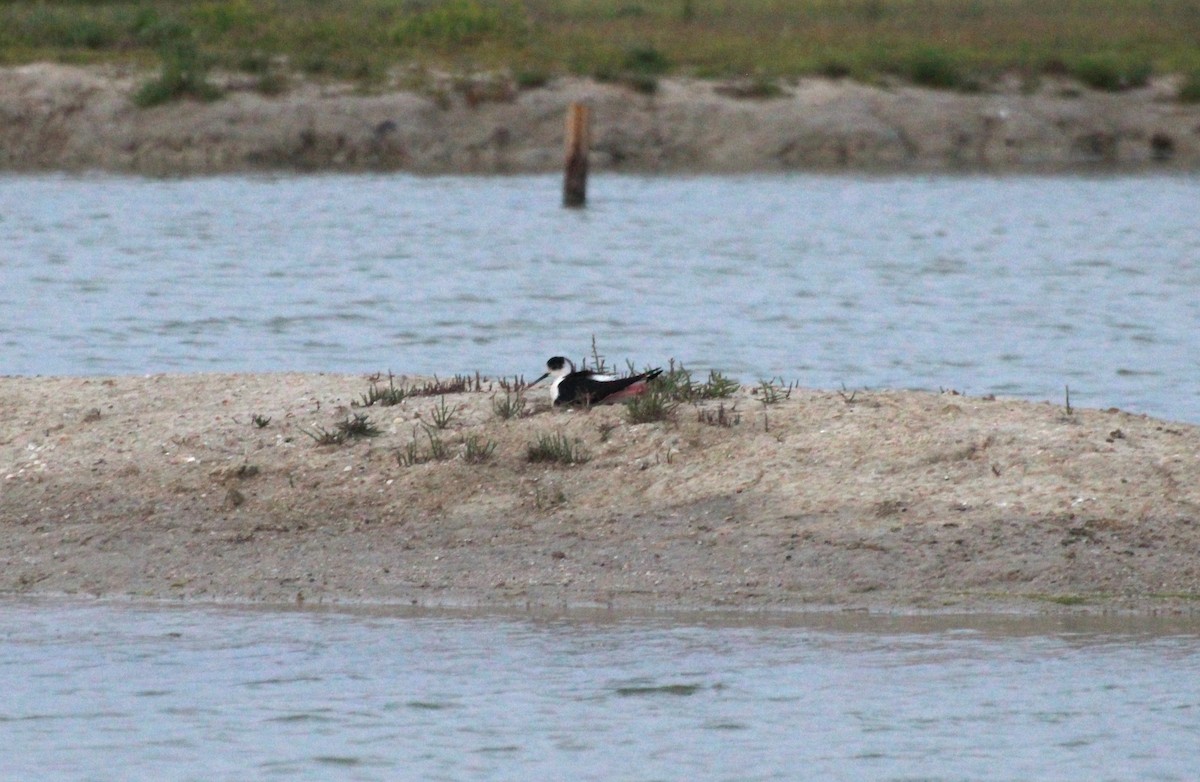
[(540, 379)]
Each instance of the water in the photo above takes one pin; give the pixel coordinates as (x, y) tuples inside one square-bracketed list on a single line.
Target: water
[(1017, 286), (208, 694)]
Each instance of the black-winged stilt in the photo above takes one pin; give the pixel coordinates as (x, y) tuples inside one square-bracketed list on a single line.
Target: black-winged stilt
[(585, 387)]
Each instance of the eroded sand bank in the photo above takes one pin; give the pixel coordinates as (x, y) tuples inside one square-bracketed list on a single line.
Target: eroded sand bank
[(62, 118)]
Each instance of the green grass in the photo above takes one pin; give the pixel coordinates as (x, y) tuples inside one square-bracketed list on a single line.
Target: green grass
[(948, 44)]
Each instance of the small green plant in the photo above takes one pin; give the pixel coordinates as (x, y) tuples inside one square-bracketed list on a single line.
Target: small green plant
[(531, 78), (677, 384), (513, 385), (323, 436), (438, 450), (412, 454), (260, 421), (384, 397), (718, 386), (184, 74), (1112, 73), (556, 449), (639, 68), (477, 451), (597, 359), (442, 414), (774, 391), (650, 406), (834, 69), (933, 67), (645, 60), (358, 425), (510, 407)]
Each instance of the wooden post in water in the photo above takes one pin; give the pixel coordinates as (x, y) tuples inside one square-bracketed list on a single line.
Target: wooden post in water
[(575, 173)]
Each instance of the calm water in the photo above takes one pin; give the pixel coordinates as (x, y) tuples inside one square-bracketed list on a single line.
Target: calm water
[(1015, 286), (120, 692)]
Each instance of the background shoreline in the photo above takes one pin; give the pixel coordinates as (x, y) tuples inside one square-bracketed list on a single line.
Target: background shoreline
[(67, 118)]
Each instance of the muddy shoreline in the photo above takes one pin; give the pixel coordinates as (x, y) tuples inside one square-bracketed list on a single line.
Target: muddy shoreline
[(165, 487), (64, 118)]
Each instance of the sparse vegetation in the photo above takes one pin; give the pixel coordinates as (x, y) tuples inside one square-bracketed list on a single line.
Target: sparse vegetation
[(651, 406), (1112, 72), (384, 397), (677, 384), (183, 74), (948, 44), (411, 454), (556, 449), (324, 436), (774, 391), (459, 23), (511, 406), (933, 66), (356, 426), (442, 415), (394, 394), (260, 421), (476, 450), (459, 384)]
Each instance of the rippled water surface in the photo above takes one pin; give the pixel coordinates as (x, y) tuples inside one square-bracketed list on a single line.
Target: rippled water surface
[(1017, 286), (108, 691)]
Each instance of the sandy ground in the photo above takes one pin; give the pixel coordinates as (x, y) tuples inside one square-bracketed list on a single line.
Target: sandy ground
[(165, 487), (56, 117)]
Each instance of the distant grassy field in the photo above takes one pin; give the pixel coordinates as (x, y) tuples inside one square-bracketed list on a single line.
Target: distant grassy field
[(952, 44)]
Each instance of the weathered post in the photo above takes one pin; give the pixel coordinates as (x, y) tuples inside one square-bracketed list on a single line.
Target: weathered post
[(575, 174)]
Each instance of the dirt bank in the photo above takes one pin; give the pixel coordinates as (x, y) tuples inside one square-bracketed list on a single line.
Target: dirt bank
[(55, 117), (166, 487)]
